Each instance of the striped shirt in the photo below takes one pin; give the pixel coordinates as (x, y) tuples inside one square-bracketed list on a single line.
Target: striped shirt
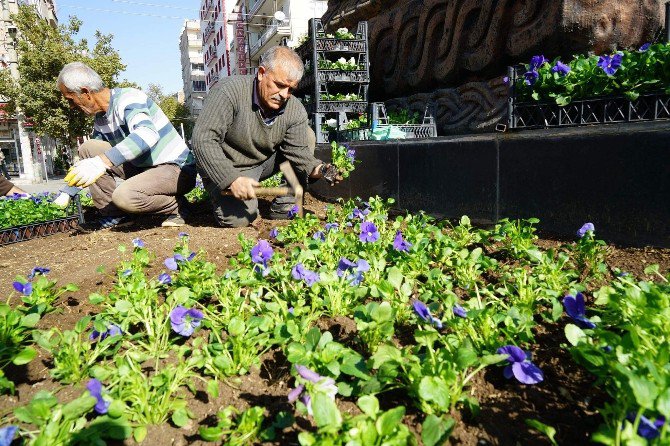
[(139, 132)]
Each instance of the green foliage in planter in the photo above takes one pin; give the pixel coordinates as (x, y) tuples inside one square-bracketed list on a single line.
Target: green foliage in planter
[(19, 211), (627, 73)]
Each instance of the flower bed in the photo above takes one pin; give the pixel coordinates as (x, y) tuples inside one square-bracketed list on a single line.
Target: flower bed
[(26, 217), (433, 306)]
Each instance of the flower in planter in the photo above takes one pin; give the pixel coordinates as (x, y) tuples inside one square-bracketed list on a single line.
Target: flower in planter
[(644, 47), (560, 68), (38, 270), (537, 62), (423, 312), (647, 429), (299, 272), (7, 435), (184, 320), (369, 232), (574, 306), (138, 243), (520, 366), (460, 311), (24, 288), (164, 279), (610, 64), (531, 77), (94, 387), (112, 330), (400, 244), (586, 228)]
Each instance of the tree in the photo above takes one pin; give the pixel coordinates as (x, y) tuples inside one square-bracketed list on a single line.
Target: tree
[(175, 111), (42, 52)]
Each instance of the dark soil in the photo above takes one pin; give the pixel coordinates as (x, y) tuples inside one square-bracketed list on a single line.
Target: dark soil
[(565, 400)]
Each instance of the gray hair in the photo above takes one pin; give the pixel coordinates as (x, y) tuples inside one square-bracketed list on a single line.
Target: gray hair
[(284, 57), (77, 75)]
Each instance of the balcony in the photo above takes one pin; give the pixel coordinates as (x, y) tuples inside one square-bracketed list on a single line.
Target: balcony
[(271, 37), (211, 55), (208, 32), (261, 7)]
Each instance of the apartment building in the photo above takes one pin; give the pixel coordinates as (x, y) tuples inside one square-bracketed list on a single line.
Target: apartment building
[(192, 66), (217, 24), (269, 23), (26, 155)]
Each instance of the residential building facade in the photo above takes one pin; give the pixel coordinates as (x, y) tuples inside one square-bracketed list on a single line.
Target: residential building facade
[(192, 67), (26, 155), (216, 37), (269, 23)]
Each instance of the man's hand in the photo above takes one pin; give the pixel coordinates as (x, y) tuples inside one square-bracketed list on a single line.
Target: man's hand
[(328, 172), (243, 188), (86, 172)]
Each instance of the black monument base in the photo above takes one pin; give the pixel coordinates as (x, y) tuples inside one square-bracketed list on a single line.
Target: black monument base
[(615, 176)]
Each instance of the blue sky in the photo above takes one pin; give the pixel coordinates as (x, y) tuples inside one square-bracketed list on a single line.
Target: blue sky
[(146, 34)]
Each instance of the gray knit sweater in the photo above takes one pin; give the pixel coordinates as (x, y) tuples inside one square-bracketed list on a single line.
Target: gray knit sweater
[(230, 135)]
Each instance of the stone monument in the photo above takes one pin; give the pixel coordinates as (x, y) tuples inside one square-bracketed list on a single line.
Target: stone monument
[(454, 53)]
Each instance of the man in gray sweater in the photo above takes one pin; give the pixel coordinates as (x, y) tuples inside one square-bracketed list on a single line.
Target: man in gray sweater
[(248, 126)]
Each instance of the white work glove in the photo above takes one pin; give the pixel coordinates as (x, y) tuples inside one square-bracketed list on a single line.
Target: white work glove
[(86, 172), (62, 200)]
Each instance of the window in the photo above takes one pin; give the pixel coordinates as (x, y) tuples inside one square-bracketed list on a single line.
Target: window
[(197, 66), (199, 86)]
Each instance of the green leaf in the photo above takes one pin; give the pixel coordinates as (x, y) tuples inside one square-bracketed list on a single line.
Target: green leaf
[(325, 411), (180, 417), (435, 430), (211, 433), (30, 320), (116, 409), (123, 306), (547, 430), (96, 298), (433, 388), (140, 433), (663, 403), (181, 295), (574, 334), (645, 391), (389, 421), (369, 404), (25, 356), (395, 277), (213, 388), (465, 357)]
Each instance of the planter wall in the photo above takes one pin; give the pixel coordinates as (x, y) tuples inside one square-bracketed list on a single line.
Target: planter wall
[(616, 176)]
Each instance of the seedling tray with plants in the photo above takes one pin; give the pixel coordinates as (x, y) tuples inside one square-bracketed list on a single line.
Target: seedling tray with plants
[(24, 218), (625, 86)]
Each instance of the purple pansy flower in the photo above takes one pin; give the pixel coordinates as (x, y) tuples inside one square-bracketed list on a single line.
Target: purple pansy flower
[(319, 235), (138, 243), (126, 272), (369, 232), (506, 80), (261, 253), (648, 429), (400, 244), (291, 310), (537, 61), (299, 272), (574, 306), (164, 279), (351, 154), (610, 64), (585, 228), (274, 232), (112, 330), (531, 77), (560, 68), (293, 212), (645, 47), (38, 270), (520, 366), (185, 320), (294, 394), (172, 263), (24, 288), (7, 434), (423, 312), (460, 311), (331, 226), (359, 214), (344, 265), (94, 387), (322, 383), (182, 234)]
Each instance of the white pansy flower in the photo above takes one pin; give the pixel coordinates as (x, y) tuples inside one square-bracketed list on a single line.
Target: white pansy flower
[(331, 123)]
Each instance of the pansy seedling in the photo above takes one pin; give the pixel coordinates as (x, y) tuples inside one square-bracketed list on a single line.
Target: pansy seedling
[(95, 389), (184, 320), (576, 309), (520, 366)]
